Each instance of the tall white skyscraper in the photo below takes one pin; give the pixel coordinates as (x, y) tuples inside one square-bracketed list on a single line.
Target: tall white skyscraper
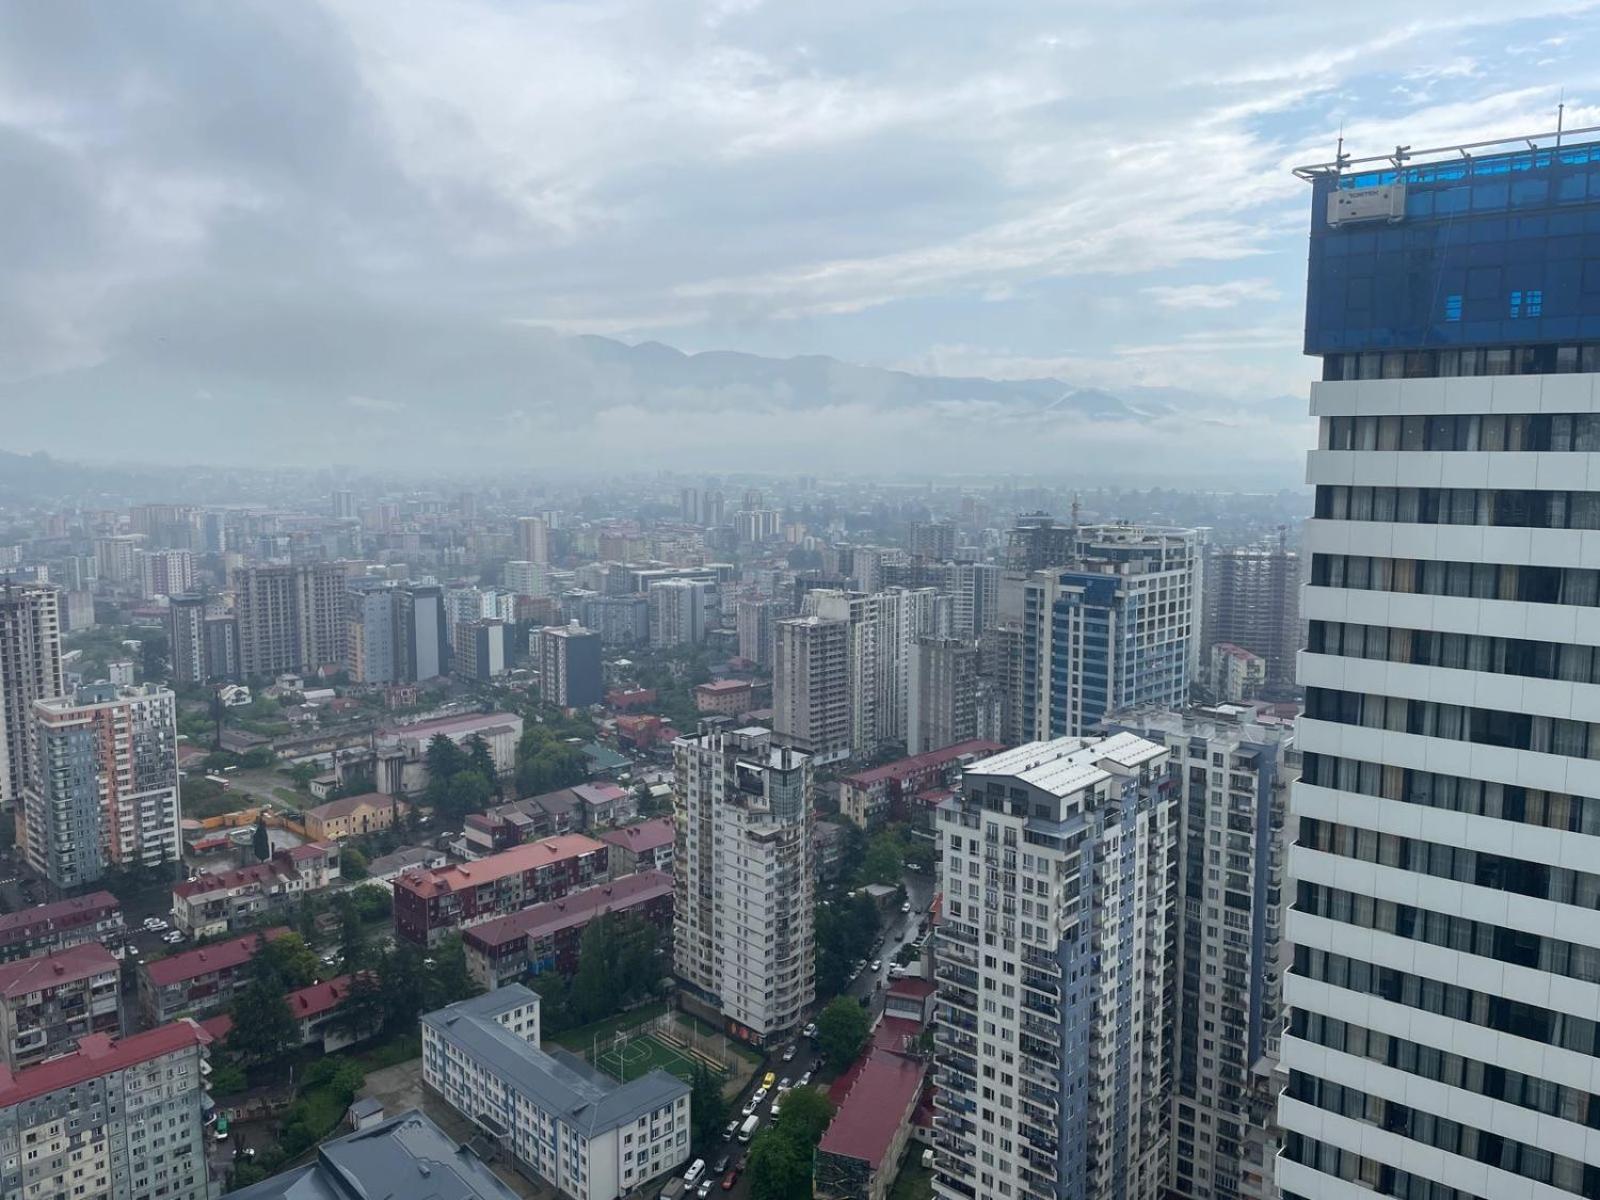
[(1444, 994), (30, 669), (742, 866), (811, 687), (883, 628), (1054, 962)]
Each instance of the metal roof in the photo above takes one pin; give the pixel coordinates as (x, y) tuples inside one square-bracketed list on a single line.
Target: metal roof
[(1068, 765)]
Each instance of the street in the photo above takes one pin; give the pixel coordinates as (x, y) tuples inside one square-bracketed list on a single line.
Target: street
[(899, 928)]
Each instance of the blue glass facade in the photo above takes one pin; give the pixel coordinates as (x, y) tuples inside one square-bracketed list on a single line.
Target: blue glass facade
[(1500, 250)]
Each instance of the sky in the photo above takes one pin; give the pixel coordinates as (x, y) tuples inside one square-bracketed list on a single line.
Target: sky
[(220, 220)]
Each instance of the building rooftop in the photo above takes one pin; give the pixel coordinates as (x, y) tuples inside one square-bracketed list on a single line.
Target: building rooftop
[(559, 1083), (234, 877), (407, 1157), (347, 805), (80, 910), (97, 1054), (219, 956), (55, 968), (724, 685), (403, 859), (441, 881), (471, 722), (576, 908), (304, 1003), (913, 987), (906, 767), (644, 835), (1068, 765), (881, 1096)]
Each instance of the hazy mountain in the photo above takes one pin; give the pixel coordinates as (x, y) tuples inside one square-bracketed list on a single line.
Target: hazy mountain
[(506, 396)]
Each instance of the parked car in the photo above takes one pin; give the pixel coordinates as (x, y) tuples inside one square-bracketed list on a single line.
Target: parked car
[(803, 1080), (731, 1178), (784, 1085), (704, 1189), (733, 1128), (789, 1052), (810, 1030), (721, 1165), (877, 965), (768, 1080), (905, 907)]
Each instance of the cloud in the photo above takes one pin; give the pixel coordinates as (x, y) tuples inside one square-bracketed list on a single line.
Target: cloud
[(1212, 295), (371, 404)]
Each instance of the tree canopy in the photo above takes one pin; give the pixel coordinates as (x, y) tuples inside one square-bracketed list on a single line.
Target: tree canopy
[(841, 1031)]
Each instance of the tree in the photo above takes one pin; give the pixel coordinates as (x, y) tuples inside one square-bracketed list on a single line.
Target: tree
[(885, 859), (261, 840), (363, 1010), (372, 902), (353, 863), (841, 1031), (263, 1026), (591, 996), (447, 979), (806, 1113), (352, 934), (707, 1108), (779, 1168), (444, 758), (292, 962), (468, 792), (479, 759)]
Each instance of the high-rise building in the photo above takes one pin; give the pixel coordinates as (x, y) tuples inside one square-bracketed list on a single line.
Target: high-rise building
[(932, 539), (678, 610), (1114, 628), (102, 790), (424, 632), (742, 866), (619, 620), (942, 694), (756, 619), (974, 589), (533, 539), (480, 649), (373, 652), (342, 504), (30, 669), (1231, 769), (882, 629), (1252, 600), (186, 639), (525, 578), (291, 618), (120, 1120), (165, 572), (1054, 959), (1444, 1008), (811, 687), (116, 558), (222, 646), (569, 666)]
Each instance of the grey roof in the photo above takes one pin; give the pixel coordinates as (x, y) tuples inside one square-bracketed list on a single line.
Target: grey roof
[(407, 1155), (409, 856), (559, 1083), (1067, 765)]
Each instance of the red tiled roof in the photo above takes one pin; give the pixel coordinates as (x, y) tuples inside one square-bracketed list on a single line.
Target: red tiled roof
[(219, 956), (219, 1026), (879, 1099), (902, 768), (319, 998), (724, 685), (98, 1054), (216, 881), (645, 835), (308, 850), (576, 908), (441, 881), (55, 968), (893, 1033), (20, 924)]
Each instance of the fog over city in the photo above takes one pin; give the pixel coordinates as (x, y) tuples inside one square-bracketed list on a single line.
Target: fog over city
[(484, 236)]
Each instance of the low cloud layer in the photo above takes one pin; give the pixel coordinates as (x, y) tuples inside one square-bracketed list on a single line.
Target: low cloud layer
[(220, 218)]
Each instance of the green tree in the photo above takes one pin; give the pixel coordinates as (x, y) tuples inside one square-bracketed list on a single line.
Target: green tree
[(404, 987), (479, 758), (373, 903), (447, 979), (263, 1026), (885, 859), (591, 996), (468, 792), (841, 1031), (261, 840), (707, 1108), (806, 1113), (353, 863), (292, 962), (444, 758), (779, 1168), (363, 1011), (353, 949)]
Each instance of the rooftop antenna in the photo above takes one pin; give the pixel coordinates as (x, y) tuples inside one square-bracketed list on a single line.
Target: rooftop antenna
[(1075, 508), (1561, 112)]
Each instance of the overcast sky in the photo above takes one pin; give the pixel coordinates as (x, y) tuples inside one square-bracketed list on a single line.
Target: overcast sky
[(1094, 191)]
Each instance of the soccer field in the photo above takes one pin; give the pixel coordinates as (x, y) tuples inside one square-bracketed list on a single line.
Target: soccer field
[(641, 1054)]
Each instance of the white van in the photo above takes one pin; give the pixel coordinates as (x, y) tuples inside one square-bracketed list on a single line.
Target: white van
[(696, 1169), (748, 1129)]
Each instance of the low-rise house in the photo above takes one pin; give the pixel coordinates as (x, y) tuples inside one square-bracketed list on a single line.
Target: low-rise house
[(353, 816), (604, 803), (198, 982), (550, 814), (869, 798), (386, 868), (730, 697), (96, 917), (216, 902), (644, 846), (315, 1009), (49, 1002), (860, 1150), (386, 1158), (547, 936), (430, 904), (572, 1127), (911, 999)]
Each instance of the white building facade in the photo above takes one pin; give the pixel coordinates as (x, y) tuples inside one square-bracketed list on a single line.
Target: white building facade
[(1054, 961)]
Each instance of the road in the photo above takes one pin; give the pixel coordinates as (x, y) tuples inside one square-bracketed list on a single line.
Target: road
[(899, 929)]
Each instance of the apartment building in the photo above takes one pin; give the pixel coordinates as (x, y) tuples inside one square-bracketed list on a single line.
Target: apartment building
[(565, 1123), (1444, 987), (811, 687), (96, 917), (547, 937), (353, 816), (201, 981), (103, 791), (119, 1119), (30, 669), (743, 917), (217, 902), (755, 618), (679, 610), (569, 666), (1116, 627), (643, 846), (1252, 600), (48, 1003), (943, 695), (1231, 768), (290, 618), (430, 904), (1055, 960)]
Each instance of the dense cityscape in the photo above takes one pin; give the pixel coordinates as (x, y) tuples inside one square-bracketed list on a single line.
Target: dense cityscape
[(623, 829)]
